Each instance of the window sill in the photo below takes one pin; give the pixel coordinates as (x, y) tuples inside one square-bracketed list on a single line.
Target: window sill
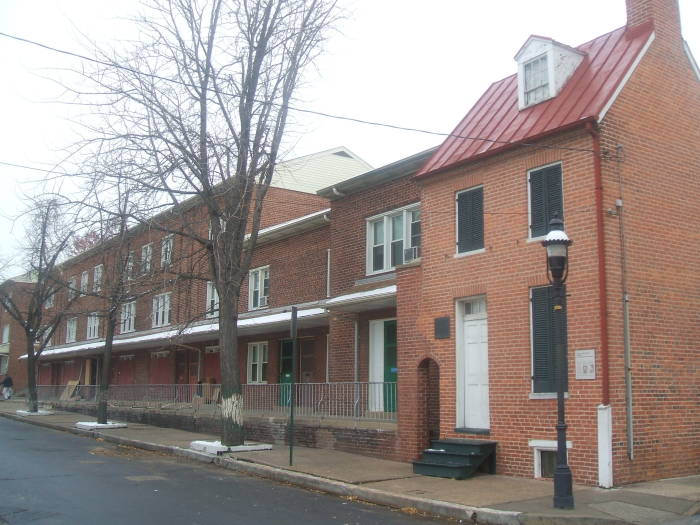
[(536, 239), (546, 395), (467, 254), (481, 431)]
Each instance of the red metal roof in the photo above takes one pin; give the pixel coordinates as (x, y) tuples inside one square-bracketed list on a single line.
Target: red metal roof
[(495, 123)]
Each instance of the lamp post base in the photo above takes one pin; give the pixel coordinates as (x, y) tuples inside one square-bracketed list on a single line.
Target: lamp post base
[(563, 492)]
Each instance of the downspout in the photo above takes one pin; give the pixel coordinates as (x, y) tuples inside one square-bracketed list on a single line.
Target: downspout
[(604, 412), (625, 308), (602, 278)]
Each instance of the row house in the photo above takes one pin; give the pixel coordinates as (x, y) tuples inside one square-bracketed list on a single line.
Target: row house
[(168, 333), (422, 284)]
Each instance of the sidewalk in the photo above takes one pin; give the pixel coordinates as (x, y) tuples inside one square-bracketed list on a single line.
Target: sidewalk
[(489, 499)]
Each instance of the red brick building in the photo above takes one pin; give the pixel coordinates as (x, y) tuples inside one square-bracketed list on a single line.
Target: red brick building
[(605, 134)]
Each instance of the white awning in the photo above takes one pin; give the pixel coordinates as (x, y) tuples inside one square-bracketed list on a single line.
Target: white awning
[(274, 322)]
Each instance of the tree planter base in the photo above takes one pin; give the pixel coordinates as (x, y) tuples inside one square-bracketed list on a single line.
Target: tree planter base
[(215, 447), (37, 413), (91, 425)]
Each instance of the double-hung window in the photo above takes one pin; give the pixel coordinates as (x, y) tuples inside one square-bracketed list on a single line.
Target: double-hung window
[(257, 362), (5, 334), (393, 238), (546, 198), (470, 220), (128, 319), (72, 288), (212, 300), (93, 326), (543, 344), (97, 278), (166, 251), (48, 303), (146, 257), (259, 287), (535, 80), (84, 281), (71, 329), (161, 310), (129, 267)]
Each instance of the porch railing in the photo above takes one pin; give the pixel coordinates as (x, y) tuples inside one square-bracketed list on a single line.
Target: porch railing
[(360, 401)]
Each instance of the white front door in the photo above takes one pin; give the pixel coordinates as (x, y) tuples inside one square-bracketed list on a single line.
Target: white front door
[(472, 365)]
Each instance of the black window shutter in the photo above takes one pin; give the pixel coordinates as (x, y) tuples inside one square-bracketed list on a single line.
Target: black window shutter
[(543, 344), (542, 362), (470, 220), (545, 198)]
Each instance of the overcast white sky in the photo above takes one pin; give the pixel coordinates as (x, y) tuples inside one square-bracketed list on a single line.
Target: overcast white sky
[(414, 63)]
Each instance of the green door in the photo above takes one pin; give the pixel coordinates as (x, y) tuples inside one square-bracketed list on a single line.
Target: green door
[(286, 376), (390, 366)]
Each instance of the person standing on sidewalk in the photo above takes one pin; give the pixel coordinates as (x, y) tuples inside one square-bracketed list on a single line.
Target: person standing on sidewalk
[(7, 387)]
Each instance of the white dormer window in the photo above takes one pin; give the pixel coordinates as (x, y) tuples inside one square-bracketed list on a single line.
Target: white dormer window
[(535, 80), (544, 68)]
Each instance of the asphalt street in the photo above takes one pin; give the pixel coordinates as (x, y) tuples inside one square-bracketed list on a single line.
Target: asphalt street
[(51, 477)]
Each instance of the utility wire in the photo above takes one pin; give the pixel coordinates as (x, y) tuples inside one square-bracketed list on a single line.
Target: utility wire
[(291, 108)]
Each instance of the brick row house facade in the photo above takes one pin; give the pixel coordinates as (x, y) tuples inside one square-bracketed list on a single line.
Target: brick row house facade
[(429, 274)]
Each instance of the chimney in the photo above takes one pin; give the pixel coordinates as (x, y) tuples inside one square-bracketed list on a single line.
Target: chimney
[(664, 14)]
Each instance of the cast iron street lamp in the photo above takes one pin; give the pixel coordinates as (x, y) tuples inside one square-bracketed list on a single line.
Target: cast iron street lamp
[(557, 244)]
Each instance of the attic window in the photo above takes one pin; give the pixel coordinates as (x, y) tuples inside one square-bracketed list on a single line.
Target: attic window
[(536, 80)]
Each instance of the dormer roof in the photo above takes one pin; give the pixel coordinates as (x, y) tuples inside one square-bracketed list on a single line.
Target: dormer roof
[(525, 49), (496, 122)]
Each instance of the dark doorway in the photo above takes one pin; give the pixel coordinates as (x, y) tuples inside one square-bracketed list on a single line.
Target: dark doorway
[(429, 399)]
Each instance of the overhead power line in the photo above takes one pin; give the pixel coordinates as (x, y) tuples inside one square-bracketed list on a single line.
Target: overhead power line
[(291, 108)]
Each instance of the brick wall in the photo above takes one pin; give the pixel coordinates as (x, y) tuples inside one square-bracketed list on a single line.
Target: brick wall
[(349, 228), (654, 120), (509, 266)]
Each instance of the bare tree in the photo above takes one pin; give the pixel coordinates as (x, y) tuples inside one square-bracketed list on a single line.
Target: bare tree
[(33, 300), (196, 113)]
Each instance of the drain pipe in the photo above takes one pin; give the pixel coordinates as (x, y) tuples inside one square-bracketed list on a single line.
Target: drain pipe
[(604, 411), (356, 366), (619, 205), (602, 278)]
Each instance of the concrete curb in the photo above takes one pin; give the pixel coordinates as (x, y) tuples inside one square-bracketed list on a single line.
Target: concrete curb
[(444, 509)]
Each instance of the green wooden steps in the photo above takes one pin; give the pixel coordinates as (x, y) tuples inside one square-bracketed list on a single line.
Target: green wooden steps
[(456, 458)]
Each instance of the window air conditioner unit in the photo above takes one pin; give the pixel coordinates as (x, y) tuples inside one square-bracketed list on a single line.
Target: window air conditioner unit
[(411, 253), (263, 301)]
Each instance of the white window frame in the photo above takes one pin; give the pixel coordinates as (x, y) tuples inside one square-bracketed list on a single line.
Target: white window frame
[(146, 258), (539, 445), (93, 326), (212, 305), (97, 273), (127, 322), (160, 315), (84, 282), (166, 251), (259, 363), (49, 302), (72, 287), (387, 241), (263, 272), (71, 329), (546, 93), (5, 334), (129, 267)]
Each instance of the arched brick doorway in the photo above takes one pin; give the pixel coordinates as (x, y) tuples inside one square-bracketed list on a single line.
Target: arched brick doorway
[(429, 400)]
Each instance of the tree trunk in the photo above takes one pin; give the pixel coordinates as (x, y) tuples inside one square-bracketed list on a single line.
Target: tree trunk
[(32, 399), (105, 373), (231, 390)]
